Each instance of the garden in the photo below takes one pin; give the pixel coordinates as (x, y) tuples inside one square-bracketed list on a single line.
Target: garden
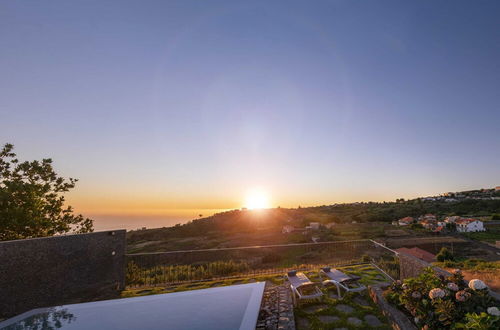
[(435, 301)]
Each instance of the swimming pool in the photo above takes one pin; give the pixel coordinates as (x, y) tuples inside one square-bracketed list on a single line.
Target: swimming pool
[(230, 307)]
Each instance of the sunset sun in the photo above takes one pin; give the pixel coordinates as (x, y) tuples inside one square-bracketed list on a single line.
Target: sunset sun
[(257, 199)]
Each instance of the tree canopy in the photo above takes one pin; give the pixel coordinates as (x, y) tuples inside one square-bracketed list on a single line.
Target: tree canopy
[(32, 202)]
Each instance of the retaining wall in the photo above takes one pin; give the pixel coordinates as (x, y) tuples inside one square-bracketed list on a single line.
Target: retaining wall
[(57, 270)]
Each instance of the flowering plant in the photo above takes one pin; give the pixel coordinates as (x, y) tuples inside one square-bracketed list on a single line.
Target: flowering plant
[(439, 302)]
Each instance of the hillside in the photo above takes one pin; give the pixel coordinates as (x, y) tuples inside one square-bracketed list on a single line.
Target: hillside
[(258, 227)]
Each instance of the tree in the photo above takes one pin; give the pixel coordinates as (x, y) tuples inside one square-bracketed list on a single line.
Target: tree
[(32, 201), (444, 255)]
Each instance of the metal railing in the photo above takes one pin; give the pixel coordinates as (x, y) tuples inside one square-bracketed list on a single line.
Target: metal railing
[(175, 267)]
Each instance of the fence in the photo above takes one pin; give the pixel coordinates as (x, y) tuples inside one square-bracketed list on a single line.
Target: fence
[(175, 267)]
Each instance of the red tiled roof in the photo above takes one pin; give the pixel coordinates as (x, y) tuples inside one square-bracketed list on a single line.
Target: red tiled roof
[(466, 221), (418, 253)]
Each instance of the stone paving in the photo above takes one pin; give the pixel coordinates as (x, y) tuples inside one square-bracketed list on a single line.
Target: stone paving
[(354, 311), (276, 311)]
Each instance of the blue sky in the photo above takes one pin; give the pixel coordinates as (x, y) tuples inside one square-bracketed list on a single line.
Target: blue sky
[(158, 105)]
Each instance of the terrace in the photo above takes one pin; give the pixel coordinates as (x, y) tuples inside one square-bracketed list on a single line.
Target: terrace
[(156, 273), (204, 284)]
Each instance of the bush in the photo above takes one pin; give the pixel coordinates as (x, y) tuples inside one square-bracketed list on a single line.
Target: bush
[(366, 258), (444, 255), (436, 302)]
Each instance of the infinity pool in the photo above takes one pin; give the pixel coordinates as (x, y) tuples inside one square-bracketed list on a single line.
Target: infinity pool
[(230, 307)]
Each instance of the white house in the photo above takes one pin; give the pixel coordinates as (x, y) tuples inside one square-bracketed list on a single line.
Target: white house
[(287, 229), (313, 225), (469, 225)]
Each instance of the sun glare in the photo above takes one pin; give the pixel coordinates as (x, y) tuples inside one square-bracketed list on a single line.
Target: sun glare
[(257, 200)]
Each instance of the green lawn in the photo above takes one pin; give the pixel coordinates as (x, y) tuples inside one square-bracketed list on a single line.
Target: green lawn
[(490, 235)]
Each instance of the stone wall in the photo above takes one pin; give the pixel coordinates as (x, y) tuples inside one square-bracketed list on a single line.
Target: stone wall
[(411, 266), (59, 270), (397, 319)]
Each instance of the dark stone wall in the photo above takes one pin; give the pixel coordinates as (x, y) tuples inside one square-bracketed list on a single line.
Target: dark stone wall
[(50, 271), (411, 266)]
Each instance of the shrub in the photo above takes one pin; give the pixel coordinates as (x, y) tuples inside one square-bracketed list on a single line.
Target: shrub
[(444, 255), (366, 258), (436, 302)]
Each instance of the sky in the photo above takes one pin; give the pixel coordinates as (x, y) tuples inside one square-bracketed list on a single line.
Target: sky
[(161, 108)]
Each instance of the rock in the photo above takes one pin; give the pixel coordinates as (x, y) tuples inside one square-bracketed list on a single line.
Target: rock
[(344, 308), (328, 318), (302, 323), (354, 321), (361, 301), (372, 320)]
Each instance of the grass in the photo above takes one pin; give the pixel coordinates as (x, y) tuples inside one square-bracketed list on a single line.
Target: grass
[(490, 235), (360, 311), (471, 264), (369, 275)]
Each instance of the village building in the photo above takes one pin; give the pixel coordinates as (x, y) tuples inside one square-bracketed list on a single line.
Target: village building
[(330, 225), (405, 221), (452, 219), (469, 225), (313, 226)]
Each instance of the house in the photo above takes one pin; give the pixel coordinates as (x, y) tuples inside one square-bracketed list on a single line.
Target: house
[(313, 226), (429, 217), (469, 225), (452, 219), (497, 188), (439, 229), (418, 253), (330, 225), (287, 229), (428, 224), (405, 221)]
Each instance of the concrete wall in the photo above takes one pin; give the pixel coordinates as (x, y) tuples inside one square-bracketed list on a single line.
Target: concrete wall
[(59, 270)]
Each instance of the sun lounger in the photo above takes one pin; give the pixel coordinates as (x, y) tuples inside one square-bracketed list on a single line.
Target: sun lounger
[(347, 282), (302, 288)]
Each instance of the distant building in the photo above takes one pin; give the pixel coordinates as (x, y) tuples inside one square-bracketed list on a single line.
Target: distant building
[(439, 229), (418, 253), (429, 217), (428, 224), (313, 226), (452, 219), (469, 225), (405, 221), (287, 229), (330, 225), (497, 188)]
